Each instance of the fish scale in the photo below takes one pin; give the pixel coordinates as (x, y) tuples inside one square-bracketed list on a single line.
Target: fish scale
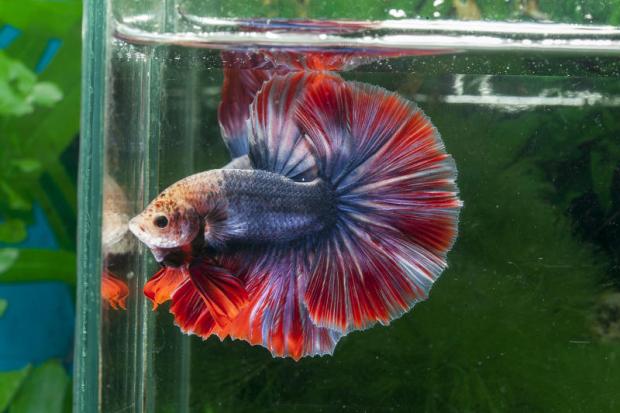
[(275, 208)]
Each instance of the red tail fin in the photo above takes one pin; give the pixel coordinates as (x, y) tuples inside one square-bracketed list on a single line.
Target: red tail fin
[(398, 203)]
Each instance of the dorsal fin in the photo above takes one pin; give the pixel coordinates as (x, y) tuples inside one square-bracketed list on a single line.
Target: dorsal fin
[(244, 74), (276, 142), (245, 71)]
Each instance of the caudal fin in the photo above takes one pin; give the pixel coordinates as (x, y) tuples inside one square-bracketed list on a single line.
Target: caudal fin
[(398, 203)]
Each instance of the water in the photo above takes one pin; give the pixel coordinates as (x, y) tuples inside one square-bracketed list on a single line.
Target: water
[(526, 317)]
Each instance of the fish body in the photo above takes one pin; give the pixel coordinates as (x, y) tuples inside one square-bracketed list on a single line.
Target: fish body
[(231, 206), (342, 221), (264, 207)]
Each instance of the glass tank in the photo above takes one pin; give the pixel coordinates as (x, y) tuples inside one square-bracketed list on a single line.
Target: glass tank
[(360, 154)]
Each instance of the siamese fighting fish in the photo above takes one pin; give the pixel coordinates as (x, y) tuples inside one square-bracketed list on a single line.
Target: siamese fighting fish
[(337, 215)]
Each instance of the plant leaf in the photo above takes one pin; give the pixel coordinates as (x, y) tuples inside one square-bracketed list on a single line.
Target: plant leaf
[(27, 165), (23, 77), (3, 305), (16, 201), (45, 94), (8, 256), (10, 382), (43, 390), (40, 265), (12, 231), (11, 103), (16, 82)]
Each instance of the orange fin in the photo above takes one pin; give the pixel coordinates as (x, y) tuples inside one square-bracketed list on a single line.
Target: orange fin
[(222, 292), (160, 287), (191, 313), (114, 291)]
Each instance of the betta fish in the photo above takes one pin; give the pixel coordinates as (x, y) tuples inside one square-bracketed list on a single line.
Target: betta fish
[(342, 220)]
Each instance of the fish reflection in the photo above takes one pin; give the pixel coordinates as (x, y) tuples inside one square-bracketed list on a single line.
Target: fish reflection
[(114, 290)]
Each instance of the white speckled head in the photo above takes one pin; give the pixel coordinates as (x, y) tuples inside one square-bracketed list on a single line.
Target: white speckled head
[(166, 223)]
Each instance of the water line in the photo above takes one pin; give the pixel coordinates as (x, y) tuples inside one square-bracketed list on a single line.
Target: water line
[(389, 35)]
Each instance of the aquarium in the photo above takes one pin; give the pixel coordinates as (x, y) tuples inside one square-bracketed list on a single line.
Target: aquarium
[(526, 316)]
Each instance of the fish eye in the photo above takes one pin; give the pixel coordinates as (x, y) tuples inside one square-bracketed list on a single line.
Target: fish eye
[(160, 221)]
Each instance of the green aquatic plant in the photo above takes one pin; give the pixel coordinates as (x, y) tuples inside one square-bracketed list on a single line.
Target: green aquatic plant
[(584, 174), (21, 158), (10, 383), (20, 90), (20, 93), (38, 121), (25, 160), (45, 389)]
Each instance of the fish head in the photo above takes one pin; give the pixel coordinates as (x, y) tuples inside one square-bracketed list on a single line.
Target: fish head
[(166, 223)]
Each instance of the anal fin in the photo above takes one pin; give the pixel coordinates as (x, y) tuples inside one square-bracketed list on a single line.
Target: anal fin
[(161, 286), (222, 292), (276, 316)]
